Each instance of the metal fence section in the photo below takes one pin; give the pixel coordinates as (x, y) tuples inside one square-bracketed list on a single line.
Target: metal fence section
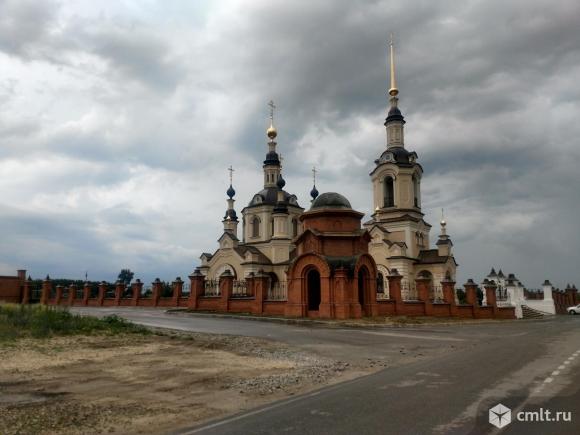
[(240, 289), (186, 290), (211, 288), (79, 293), (503, 298), (278, 292), (35, 294), (437, 294), (409, 291)]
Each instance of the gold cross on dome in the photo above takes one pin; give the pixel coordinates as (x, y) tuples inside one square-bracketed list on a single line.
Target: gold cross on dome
[(272, 107), (231, 171)]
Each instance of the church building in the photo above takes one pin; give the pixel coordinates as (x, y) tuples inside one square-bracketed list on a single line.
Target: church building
[(279, 239)]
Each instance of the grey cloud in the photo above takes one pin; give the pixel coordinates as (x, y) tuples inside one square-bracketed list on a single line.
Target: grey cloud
[(488, 90)]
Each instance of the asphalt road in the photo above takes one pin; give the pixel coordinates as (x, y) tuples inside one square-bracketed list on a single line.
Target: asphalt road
[(437, 379)]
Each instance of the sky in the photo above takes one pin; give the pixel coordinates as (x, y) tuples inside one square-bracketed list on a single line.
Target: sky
[(119, 119)]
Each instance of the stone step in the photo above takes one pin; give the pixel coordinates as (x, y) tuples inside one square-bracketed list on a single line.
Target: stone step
[(530, 313)]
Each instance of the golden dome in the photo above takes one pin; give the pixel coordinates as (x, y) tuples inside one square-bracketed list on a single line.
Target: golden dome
[(271, 132)]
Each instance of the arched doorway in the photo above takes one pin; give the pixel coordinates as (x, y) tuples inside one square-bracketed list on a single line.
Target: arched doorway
[(313, 290), (363, 276)]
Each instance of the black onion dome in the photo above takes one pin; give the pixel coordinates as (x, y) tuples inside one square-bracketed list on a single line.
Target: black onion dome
[(314, 192), (394, 115), (399, 155), (272, 158), (231, 213), (281, 182), (269, 196), (231, 192), (331, 200)]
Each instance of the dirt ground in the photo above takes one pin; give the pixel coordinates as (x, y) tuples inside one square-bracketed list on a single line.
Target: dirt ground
[(135, 384)]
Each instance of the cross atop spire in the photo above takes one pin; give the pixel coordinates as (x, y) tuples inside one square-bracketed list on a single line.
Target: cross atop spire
[(314, 171), (443, 223), (272, 107), (231, 171)]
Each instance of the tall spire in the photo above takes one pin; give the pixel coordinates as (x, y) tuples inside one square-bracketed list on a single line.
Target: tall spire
[(393, 91), (272, 163), (395, 121), (443, 224)]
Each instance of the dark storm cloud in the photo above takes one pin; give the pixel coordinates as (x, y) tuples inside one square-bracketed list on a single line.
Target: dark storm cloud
[(489, 91)]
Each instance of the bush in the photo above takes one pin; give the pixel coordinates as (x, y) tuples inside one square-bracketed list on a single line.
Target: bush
[(40, 321)]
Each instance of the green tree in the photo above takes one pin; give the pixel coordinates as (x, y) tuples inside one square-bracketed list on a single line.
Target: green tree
[(126, 276)]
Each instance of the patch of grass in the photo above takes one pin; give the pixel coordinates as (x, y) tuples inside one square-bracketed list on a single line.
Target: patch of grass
[(39, 321)]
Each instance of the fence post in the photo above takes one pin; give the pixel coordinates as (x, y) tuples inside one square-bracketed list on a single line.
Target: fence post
[(157, 287), (490, 295), (197, 281), (471, 295), (422, 282), (226, 283), (394, 279), (86, 293), (119, 287), (177, 290), (46, 288), (102, 290), (260, 282), (136, 288), (448, 286), (72, 294), (26, 291), (58, 294)]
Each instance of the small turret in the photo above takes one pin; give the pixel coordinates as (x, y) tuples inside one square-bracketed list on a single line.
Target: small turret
[(444, 243), (280, 212), (230, 220)]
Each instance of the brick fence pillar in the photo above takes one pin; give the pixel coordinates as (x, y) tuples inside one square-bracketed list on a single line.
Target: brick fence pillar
[(72, 294), (136, 290), (102, 291), (490, 289), (58, 295), (571, 296), (119, 287), (157, 288), (197, 282), (86, 293), (394, 279), (177, 290), (448, 287), (26, 291), (46, 288), (423, 283), (260, 282), (226, 288), (471, 295)]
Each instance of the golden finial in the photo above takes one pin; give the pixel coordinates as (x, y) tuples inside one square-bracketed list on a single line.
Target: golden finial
[(393, 91), (271, 132)]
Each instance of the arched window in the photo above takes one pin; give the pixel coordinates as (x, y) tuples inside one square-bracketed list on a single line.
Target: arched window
[(380, 283), (294, 227), (256, 226), (389, 200), (416, 190), (272, 227)]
